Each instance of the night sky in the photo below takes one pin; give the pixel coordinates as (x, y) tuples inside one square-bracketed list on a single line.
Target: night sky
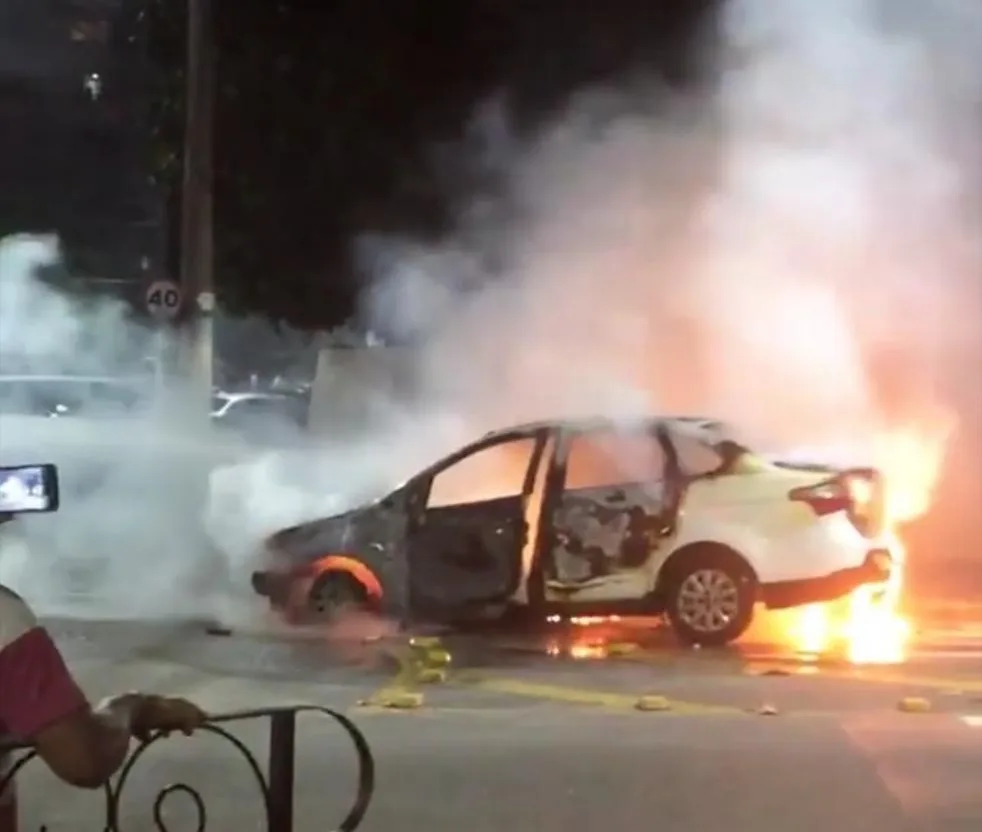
[(327, 117), (329, 113)]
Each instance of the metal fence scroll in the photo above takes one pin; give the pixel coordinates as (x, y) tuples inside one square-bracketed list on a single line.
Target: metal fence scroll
[(275, 785)]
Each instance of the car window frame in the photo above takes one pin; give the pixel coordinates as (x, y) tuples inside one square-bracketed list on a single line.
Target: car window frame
[(422, 483), (654, 431), (675, 437)]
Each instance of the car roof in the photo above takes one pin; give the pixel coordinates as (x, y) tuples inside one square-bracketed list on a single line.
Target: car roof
[(698, 426)]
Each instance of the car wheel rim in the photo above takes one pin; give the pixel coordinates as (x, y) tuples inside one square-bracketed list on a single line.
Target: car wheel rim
[(325, 598), (708, 600), (330, 597)]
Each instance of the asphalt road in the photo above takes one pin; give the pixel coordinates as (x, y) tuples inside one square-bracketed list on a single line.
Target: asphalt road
[(513, 738)]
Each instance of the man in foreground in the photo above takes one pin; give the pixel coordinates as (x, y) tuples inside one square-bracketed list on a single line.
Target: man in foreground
[(41, 704)]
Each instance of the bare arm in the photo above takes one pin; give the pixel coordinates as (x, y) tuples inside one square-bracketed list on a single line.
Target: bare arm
[(41, 703), (84, 748)]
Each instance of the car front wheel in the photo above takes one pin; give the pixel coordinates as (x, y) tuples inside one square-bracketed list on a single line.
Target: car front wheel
[(334, 593), (711, 599)]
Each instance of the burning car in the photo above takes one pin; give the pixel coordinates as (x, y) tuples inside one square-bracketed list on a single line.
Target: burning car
[(665, 516)]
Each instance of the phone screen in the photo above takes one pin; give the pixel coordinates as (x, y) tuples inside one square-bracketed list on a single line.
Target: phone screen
[(27, 488)]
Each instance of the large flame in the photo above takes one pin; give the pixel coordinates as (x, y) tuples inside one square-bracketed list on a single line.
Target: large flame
[(869, 628)]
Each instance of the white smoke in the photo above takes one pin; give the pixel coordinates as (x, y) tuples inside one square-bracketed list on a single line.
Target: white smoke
[(127, 540), (796, 251), (161, 516)]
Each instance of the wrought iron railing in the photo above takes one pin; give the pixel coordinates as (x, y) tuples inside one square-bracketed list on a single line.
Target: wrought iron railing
[(276, 785)]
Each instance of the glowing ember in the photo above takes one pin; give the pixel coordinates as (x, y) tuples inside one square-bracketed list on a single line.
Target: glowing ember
[(584, 620), (590, 620), (588, 651), (577, 650)]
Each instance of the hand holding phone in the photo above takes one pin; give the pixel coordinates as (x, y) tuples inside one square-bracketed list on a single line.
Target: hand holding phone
[(28, 488)]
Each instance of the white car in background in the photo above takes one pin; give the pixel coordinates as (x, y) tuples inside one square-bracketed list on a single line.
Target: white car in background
[(255, 411), (586, 518)]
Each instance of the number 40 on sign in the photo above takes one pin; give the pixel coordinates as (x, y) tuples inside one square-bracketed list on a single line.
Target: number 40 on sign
[(163, 299)]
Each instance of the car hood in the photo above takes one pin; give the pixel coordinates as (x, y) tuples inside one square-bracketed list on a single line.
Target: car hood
[(375, 526)]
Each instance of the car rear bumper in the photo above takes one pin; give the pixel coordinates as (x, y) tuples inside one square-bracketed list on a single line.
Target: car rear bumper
[(875, 569)]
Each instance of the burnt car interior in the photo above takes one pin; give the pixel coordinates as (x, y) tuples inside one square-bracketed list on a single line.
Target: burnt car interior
[(620, 497)]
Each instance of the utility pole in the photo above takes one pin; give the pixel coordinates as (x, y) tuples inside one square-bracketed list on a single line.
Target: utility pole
[(197, 247), (196, 268)]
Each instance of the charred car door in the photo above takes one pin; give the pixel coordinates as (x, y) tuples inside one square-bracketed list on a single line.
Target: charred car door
[(465, 546), (618, 504)]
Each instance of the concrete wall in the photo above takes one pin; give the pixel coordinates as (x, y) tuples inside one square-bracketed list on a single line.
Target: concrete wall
[(357, 386)]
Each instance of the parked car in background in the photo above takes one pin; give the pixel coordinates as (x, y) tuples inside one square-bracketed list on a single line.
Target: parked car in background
[(667, 515), (259, 414), (70, 395)]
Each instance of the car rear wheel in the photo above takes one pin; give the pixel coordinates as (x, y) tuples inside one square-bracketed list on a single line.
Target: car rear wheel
[(711, 598), (333, 593)]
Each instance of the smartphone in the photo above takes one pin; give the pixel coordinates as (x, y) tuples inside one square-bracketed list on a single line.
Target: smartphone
[(28, 488)]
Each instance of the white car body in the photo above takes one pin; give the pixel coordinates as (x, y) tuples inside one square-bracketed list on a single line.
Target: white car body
[(748, 511), (782, 541), (559, 517)]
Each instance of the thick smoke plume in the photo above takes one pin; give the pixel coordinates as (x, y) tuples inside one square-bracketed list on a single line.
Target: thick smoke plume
[(795, 250)]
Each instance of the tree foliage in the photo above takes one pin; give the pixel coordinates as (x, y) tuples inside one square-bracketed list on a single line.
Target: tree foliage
[(326, 113)]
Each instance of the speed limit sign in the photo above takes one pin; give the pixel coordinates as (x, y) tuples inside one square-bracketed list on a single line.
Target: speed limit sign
[(163, 299)]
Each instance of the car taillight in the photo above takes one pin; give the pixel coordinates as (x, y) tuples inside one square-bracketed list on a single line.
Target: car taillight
[(858, 492)]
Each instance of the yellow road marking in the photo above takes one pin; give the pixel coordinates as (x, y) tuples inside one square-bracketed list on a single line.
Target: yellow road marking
[(585, 696), (407, 680), (764, 666), (887, 677), (868, 674)]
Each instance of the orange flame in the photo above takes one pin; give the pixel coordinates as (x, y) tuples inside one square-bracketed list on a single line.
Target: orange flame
[(870, 629), (867, 629)]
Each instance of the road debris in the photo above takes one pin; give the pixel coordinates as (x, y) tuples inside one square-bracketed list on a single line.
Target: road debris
[(653, 703)]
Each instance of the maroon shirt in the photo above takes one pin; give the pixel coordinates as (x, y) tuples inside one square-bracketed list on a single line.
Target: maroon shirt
[(36, 688)]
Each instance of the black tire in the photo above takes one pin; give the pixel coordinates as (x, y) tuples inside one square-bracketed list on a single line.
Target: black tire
[(334, 593), (727, 610)]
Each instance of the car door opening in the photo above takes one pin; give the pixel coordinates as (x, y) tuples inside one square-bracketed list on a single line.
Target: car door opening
[(466, 549), (612, 513)]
